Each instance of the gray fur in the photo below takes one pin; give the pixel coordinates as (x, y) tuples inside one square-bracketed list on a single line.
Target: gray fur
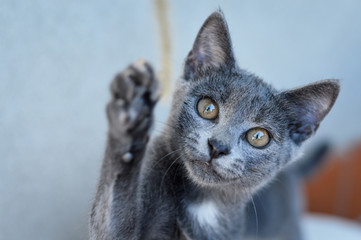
[(171, 188), (274, 211)]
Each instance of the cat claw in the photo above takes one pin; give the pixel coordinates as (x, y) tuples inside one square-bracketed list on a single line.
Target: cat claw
[(134, 94)]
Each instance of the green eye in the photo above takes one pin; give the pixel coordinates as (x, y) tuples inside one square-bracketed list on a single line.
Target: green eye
[(258, 137), (207, 108)]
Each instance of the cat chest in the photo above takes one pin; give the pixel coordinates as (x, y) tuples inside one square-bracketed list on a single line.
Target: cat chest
[(206, 214), (210, 220)]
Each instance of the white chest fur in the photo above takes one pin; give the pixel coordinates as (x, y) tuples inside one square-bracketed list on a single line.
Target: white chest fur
[(206, 213)]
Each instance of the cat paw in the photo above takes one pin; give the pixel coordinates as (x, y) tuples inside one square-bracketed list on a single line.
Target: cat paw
[(134, 94)]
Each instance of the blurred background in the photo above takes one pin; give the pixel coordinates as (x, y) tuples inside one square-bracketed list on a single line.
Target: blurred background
[(57, 59)]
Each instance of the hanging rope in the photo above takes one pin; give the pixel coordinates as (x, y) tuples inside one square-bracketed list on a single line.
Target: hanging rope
[(161, 10)]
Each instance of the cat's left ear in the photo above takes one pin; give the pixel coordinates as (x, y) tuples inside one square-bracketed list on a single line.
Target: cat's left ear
[(212, 48), (308, 105)]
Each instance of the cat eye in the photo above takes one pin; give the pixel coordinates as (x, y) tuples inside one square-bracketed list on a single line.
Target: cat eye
[(207, 108), (258, 137)]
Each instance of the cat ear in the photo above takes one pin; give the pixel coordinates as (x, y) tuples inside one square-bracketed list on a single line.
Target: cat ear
[(307, 107), (212, 48)]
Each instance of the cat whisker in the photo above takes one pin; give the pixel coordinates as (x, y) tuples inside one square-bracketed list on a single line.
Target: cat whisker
[(161, 183), (157, 162), (260, 200), (256, 215), (164, 123)]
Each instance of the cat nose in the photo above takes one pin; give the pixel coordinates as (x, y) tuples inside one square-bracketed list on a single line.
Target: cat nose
[(217, 148)]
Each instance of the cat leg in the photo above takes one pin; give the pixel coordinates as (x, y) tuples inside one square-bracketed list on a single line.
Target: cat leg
[(134, 94)]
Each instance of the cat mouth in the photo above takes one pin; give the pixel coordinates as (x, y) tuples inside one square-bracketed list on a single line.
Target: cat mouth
[(206, 163), (208, 168), (204, 169)]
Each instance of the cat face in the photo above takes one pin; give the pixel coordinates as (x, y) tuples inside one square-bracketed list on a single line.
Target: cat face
[(243, 140), (233, 127)]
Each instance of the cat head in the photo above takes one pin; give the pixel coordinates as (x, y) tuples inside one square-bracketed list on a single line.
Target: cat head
[(230, 125)]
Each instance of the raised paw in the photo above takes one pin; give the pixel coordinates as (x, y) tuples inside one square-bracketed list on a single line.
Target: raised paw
[(134, 94)]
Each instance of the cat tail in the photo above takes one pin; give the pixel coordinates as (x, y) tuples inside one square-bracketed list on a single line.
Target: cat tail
[(313, 160)]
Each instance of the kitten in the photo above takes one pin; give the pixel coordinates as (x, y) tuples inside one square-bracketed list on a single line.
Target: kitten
[(228, 134)]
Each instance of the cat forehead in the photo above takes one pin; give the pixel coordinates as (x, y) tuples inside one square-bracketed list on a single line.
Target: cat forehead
[(234, 87), (243, 99)]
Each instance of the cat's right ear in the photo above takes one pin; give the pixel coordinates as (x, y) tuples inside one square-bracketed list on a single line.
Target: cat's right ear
[(212, 48)]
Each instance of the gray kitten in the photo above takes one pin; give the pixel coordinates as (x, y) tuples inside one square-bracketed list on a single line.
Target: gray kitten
[(228, 135)]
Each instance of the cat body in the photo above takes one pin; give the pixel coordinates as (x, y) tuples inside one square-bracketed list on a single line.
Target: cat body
[(274, 212), (228, 134)]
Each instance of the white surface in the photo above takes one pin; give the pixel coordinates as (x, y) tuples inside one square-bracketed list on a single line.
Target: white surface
[(322, 227)]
